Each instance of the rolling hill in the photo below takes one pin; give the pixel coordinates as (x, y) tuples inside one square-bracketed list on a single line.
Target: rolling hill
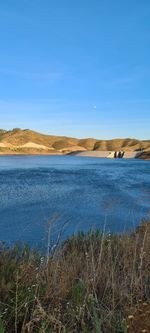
[(18, 141)]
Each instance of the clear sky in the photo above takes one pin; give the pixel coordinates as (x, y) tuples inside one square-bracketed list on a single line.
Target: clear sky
[(76, 67)]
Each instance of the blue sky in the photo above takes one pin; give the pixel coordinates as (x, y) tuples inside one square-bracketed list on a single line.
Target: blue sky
[(78, 68)]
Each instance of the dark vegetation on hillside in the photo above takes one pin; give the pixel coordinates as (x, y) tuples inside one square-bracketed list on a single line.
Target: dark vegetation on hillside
[(93, 283)]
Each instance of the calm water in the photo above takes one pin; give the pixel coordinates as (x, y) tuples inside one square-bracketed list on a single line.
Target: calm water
[(77, 192)]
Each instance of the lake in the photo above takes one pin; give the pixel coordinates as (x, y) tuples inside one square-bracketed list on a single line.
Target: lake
[(65, 194)]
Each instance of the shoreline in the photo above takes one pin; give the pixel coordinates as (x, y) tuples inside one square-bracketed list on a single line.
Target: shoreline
[(92, 154)]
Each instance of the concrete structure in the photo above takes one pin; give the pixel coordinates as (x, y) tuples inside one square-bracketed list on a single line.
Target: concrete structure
[(107, 154)]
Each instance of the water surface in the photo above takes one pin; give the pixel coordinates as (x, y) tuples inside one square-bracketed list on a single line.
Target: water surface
[(79, 193)]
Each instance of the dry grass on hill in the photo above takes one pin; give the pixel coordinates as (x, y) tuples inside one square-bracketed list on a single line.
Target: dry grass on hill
[(17, 138), (87, 143), (121, 144)]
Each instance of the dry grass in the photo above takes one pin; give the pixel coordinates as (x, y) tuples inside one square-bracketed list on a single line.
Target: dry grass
[(17, 138), (92, 283)]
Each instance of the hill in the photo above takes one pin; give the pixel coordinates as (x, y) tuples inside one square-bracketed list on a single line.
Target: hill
[(18, 141)]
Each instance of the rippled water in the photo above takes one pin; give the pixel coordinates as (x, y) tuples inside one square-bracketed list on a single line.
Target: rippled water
[(77, 192)]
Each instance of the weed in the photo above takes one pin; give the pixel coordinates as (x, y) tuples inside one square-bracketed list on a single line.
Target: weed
[(90, 285)]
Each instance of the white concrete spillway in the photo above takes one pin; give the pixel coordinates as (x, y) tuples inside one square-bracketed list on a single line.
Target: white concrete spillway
[(92, 153), (106, 154), (132, 154)]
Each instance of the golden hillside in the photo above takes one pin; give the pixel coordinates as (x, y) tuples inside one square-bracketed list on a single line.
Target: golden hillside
[(26, 141), (122, 144)]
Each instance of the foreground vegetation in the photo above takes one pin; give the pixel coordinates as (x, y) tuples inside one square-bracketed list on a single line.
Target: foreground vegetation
[(92, 283)]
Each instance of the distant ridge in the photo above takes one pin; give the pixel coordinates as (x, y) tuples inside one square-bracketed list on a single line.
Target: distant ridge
[(18, 141)]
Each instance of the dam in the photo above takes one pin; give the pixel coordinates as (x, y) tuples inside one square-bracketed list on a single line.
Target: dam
[(108, 154)]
